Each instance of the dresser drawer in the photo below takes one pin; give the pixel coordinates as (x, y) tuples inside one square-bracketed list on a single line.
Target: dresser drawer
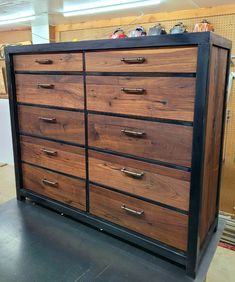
[(153, 140), (57, 124), (53, 90), (181, 59), (156, 97), (53, 155), (158, 183), (49, 62), (62, 188), (159, 223)]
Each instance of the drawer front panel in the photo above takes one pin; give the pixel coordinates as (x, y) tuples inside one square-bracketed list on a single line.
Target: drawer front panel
[(53, 90), (151, 220), (153, 140), (49, 62), (57, 124), (182, 59), (54, 185), (158, 183), (156, 97), (53, 155)]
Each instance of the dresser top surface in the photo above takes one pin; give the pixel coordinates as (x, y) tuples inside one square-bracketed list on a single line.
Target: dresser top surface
[(167, 40)]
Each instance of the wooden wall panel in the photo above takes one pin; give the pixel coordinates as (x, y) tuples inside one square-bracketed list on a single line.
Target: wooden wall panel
[(14, 36)]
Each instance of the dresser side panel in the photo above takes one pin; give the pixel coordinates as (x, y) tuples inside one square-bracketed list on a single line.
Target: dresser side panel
[(211, 166)]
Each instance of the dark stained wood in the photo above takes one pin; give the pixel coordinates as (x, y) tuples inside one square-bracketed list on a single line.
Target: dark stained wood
[(68, 159), (165, 142), (68, 125), (158, 183), (213, 139), (159, 223), (64, 189), (66, 91), (60, 62), (181, 59), (164, 97)]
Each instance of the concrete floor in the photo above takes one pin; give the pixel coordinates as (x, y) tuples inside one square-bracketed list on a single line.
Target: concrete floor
[(222, 267)]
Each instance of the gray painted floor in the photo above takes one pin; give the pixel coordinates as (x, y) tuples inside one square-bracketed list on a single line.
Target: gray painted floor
[(37, 244)]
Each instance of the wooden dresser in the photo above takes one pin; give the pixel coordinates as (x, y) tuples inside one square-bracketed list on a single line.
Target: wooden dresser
[(124, 135)]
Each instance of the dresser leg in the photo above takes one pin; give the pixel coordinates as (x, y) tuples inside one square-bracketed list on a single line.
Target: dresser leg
[(216, 225), (20, 197), (191, 273)]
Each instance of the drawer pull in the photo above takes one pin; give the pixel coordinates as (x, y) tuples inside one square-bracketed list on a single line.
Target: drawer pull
[(133, 133), (133, 90), (44, 62), (135, 60), (139, 213), (49, 152), (45, 86), (50, 183), (50, 120), (132, 173)]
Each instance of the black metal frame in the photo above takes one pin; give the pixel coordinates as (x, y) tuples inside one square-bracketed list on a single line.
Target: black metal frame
[(204, 41)]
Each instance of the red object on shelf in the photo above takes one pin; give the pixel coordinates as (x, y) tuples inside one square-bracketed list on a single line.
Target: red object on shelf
[(118, 33)]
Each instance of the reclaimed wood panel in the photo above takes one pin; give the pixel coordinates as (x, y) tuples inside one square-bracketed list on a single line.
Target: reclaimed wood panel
[(156, 222), (52, 90), (57, 124), (213, 139), (61, 157), (48, 62), (159, 141), (151, 96), (158, 183), (181, 59), (56, 186)]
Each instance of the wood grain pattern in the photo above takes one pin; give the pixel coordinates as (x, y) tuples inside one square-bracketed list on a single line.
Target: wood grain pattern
[(182, 59), (67, 190), (67, 91), (159, 99), (68, 159), (156, 222), (158, 183), (147, 20), (161, 141), (60, 62), (213, 139), (68, 125)]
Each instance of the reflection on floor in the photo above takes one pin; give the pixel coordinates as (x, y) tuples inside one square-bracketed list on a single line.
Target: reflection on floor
[(7, 183), (222, 267)]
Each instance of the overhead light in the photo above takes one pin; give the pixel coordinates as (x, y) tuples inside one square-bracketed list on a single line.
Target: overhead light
[(17, 18), (106, 6)]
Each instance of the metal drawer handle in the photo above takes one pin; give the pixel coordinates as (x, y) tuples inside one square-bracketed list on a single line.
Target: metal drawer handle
[(50, 183), (133, 133), (46, 119), (44, 62), (132, 173), (164, 102), (135, 60), (139, 213), (49, 152), (133, 90), (46, 86)]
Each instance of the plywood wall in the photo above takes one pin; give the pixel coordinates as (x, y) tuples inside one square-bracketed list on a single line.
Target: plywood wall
[(223, 19), (13, 36)]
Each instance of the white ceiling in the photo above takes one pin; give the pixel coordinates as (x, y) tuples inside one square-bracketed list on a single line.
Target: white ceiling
[(55, 7)]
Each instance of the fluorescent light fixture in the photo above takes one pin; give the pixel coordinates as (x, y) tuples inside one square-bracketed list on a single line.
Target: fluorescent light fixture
[(17, 18), (106, 6)]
